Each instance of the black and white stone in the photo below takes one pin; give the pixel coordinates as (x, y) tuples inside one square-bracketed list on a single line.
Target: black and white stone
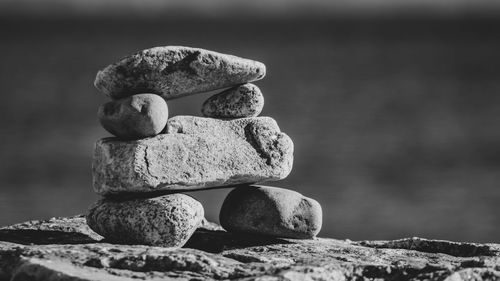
[(271, 211), (167, 221), (135, 117), (194, 153), (176, 71), (241, 101), (35, 251)]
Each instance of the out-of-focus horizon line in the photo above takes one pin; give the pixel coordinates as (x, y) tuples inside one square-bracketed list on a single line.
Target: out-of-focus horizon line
[(245, 9)]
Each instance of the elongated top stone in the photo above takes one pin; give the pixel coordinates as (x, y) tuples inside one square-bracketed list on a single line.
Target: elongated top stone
[(195, 153), (175, 71)]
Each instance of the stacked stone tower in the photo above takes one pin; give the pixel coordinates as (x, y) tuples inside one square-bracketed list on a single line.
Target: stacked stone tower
[(142, 172)]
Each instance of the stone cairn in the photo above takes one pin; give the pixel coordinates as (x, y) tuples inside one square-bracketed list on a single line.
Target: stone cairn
[(142, 171)]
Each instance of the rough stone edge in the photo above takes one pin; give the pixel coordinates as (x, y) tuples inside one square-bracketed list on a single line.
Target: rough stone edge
[(250, 129), (103, 79), (243, 253)]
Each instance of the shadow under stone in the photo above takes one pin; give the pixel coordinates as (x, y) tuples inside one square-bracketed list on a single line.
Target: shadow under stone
[(209, 237), (43, 237), (216, 241)]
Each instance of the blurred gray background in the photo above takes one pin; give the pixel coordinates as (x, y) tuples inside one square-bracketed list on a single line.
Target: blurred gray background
[(394, 108)]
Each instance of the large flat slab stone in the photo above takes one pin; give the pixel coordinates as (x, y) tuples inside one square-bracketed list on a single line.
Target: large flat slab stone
[(195, 153), (218, 255), (176, 71)]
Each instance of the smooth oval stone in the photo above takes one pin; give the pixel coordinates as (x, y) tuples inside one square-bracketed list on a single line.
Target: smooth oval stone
[(135, 117), (242, 101), (176, 71), (271, 211), (167, 221)]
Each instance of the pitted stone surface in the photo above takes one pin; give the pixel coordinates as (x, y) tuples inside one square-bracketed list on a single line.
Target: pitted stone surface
[(167, 221), (195, 153), (272, 211), (237, 257), (70, 230), (176, 71), (242, 101), (138, 116)]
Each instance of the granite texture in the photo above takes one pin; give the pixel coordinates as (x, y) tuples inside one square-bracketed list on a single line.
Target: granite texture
[(176, 71), (241, 101), (218, 255), (195, 153), (272, 211), (138, 116), (167, 221)]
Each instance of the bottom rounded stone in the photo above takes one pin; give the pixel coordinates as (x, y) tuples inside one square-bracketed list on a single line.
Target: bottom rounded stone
[(271, 211), (167, 221)]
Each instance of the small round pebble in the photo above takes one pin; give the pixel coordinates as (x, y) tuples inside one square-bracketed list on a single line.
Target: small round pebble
[(135, 117), (167, 221), (242, 101), (271, 211)]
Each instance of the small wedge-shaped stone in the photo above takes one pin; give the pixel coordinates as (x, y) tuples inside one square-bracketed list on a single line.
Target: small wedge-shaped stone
[(196, 153), (167, 221), (175, 71), (271, 211), (242, 101)]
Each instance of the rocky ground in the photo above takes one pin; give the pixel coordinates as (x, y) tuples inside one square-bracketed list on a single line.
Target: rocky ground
[(66, 249)]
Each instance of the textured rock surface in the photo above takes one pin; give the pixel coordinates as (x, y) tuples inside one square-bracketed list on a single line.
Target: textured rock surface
[(71, 230), (167, 221), (195, 153), (175, 71), (271, 211), (242, 101), (138, 116), (217, 255)]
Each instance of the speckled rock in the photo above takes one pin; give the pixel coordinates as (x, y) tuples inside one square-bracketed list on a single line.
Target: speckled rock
[(242, 101), (175, 71), (63, 230), (218, 255), (271, 211), (195, 153), (138, 116), (167, 221)]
